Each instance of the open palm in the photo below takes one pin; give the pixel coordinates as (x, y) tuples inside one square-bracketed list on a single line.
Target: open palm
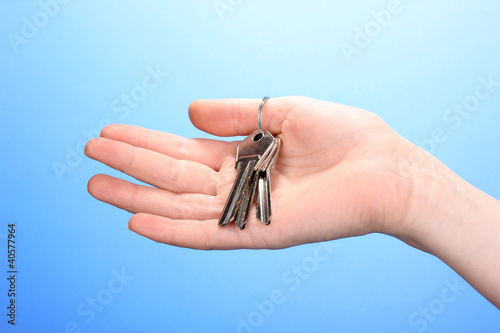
[(329, 181)]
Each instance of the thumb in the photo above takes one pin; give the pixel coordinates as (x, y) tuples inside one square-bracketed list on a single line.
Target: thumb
[(231, 117)]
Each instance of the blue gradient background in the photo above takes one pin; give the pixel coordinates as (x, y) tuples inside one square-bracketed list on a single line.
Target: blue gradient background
[(63, 81)]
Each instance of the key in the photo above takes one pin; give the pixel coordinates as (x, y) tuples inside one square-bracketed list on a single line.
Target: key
[(264, 197), (246, 201), (264, 185), (244, 166), (249, 153)]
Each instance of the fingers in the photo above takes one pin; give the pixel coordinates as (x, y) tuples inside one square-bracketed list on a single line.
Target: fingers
[(144, 199), (204, 151), (185, 220), (153, 168), (206, 235), (230, 117)]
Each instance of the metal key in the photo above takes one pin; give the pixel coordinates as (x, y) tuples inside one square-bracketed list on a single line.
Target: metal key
[(249, 153), (264, 185), (264, 197), (246, 201)]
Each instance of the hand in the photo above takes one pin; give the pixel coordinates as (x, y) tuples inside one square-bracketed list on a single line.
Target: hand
[(341, 172), (331, 178)]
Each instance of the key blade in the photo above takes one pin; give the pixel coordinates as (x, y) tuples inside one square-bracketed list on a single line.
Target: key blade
[(233, 202), (246, 201), (264, 197)]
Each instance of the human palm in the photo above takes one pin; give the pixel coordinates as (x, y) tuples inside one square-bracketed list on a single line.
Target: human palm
[(329, 181)]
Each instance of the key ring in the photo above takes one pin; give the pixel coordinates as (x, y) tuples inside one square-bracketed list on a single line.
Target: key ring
[(261, 107)]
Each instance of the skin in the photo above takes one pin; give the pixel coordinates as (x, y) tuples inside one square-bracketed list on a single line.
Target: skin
[(341, 172)]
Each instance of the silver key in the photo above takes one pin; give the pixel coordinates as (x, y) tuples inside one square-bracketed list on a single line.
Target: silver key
[(246, 201), (264, 185), (244, 167), (249, 153), (264, 197)]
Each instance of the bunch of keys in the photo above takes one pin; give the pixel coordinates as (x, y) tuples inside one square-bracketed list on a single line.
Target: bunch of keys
[(254, 156)]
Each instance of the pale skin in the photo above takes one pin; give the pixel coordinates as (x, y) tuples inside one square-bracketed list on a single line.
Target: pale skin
[(341, 172)]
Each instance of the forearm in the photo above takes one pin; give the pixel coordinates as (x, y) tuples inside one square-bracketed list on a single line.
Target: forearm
[(459, 224)]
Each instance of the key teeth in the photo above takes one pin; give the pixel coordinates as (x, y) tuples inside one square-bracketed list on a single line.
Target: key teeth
[(259, 217), (225, 220), (266, 222), (241, 226), (223, 224)]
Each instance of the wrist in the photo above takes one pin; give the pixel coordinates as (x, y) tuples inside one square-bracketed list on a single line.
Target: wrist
[(458, 223), (446, 211)]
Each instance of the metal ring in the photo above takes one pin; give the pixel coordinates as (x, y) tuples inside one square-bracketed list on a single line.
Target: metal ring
[(261, 107)]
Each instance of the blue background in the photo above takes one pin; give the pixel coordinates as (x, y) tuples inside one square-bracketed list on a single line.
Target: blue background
[(60, 83)]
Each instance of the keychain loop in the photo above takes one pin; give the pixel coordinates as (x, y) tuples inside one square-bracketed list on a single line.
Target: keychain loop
[(261, 107)]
